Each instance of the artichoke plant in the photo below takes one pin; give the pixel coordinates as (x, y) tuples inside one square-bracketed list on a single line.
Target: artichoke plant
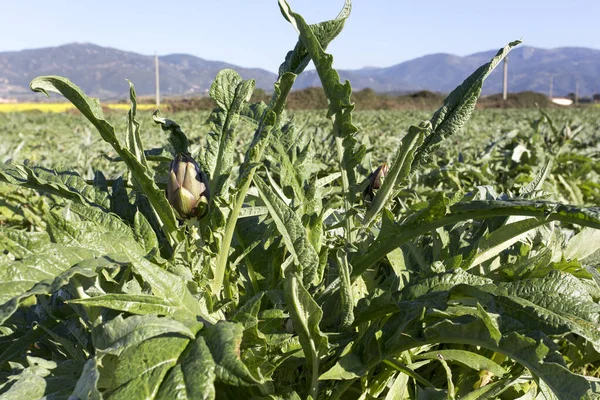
[(187, 188)]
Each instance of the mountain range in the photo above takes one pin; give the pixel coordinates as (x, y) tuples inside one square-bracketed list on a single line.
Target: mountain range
[(100, 72)]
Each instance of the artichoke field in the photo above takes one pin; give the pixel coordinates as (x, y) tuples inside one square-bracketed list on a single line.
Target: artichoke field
[(291, 257)]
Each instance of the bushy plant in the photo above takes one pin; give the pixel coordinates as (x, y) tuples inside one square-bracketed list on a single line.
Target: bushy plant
[(292, 284)]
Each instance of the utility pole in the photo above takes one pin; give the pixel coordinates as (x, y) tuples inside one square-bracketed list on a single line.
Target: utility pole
[(157, 80), (577, 91), (551, 79), (505, 84)]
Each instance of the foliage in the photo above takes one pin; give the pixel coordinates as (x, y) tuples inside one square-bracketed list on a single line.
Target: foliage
[(470, 272)]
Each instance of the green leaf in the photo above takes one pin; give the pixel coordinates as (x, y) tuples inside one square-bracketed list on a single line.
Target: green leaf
[(170, 287), (531, 353), (143, 175), (465, 358), (349, 366), (144, 234), (398, 172), (292, 231), (262, 135), (504, 237), (458, 106), (194, 377), (141, 369), (21, 244), (297, 59), (231, 93), (224, 340), (585, 246), (540, 178), (34, 275), (247, 315), (87, 385), (64, 183), (132, 303), (132, 140), (118, 334), (346, 296), (442, 282), (99, 232), (350, 152), (177, 137), (42, 379), (398, 234), (29, 385)]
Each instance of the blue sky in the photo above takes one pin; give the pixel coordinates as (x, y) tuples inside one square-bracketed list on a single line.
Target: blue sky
[(254, 34)]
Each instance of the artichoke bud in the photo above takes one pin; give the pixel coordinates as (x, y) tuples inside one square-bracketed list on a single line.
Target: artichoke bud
[(378, 175), (376, 180), (187, 188)]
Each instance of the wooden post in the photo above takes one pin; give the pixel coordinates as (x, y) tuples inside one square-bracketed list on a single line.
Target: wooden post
[(505, 83), (157, 80)]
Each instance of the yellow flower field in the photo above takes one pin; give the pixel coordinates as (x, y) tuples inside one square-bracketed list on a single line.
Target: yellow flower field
[(62, 107)]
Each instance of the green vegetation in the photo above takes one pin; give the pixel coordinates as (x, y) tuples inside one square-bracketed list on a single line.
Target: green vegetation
[(469, 272)]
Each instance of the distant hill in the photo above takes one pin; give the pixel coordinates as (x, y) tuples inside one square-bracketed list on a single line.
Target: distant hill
[(529, 69), (100, 72)]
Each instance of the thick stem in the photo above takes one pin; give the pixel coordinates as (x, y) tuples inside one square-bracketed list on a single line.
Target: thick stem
[(229, 230), (345, 191)]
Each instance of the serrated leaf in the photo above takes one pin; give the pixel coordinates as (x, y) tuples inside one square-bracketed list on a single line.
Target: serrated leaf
[(21, 244), (297, 59), (34, 275), (132, 140), (177, 137), (61, 182), (169, 286), (231, 93), (458, 106)]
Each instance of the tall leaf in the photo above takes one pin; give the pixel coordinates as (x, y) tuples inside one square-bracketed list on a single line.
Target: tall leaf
[(231, 93), (142, 174), (458, 106)]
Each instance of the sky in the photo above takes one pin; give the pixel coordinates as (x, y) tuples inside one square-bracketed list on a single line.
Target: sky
[(252, 33)]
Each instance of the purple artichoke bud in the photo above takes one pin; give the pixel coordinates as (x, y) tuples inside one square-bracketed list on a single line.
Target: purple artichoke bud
[(378, 175), (375, 181), (187, 189)]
